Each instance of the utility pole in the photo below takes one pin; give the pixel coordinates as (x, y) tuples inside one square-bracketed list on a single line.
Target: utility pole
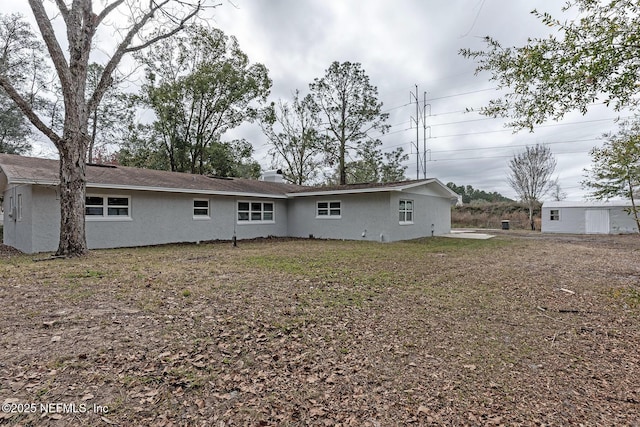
[(424, 133), (412, 97)]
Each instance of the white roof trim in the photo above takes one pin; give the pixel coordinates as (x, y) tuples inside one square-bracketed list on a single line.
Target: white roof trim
[(157, 189), (335, 192), (186, 190), (381, 189), (586, 204)]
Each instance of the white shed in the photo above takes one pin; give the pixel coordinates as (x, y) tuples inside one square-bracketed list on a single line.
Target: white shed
[(588, 217)]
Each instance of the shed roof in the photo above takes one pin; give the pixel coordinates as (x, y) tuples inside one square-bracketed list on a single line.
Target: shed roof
[(585, 203)]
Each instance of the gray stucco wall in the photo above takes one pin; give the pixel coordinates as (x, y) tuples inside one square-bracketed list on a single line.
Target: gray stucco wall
[(155, 218), (360, 212), (428, 209), (17, 231), (158, 218), (374, 214), (572, 220)]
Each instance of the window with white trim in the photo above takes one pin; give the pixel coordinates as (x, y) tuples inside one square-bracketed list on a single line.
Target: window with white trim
[(406, 212), (107, 206), (11, 210), (255, 212), (329, 209), (19, 208), (201, 209), (554, 214)]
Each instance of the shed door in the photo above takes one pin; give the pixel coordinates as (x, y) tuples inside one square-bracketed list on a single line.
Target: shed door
[(596, 221)]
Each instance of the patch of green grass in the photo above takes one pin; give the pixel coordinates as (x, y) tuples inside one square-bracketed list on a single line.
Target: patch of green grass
[(94, 274), (628, 295)]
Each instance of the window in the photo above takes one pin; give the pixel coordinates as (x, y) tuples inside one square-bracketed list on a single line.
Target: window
[(329, 209), (19, 208), (255, 212), (554, 214), (200, 209), (406, 212), (107, 207)]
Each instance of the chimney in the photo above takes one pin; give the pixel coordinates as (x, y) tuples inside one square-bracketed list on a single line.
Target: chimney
[(272, 176)]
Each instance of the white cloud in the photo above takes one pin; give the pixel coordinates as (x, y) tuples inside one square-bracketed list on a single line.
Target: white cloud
[(402, 43)]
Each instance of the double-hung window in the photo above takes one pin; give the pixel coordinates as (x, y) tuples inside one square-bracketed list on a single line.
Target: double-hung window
[(554, 215), (201, 209), (255, 212), (329, 209), (113, 207), (406, 212)]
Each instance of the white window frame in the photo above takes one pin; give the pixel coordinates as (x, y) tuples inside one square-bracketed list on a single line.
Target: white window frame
[(19, 207), (404, 211), (254, 212), (11, 206), (197, 208), (330, 210), (554, 215), (105, 208)]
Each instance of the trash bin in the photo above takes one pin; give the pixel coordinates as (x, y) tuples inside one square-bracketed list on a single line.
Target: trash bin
[(505, 224)]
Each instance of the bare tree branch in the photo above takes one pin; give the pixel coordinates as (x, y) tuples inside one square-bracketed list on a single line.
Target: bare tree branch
[(49, 37), (123, 48), (26, 108)]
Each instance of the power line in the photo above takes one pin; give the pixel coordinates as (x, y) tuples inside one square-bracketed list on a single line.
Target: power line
[(494, 157)]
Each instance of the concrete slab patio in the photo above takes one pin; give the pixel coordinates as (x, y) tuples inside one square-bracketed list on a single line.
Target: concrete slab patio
[(465, 233)]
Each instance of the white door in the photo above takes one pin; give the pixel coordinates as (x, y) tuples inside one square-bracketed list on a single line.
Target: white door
[(596, 221)]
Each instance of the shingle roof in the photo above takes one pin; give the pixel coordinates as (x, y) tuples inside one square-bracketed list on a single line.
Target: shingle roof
[(20, 169), (45, 171), (360, 186)]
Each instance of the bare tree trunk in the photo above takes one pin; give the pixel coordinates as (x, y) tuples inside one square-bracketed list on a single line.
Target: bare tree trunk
[(531, 222), (634, 207), (72, 201), (342, 167)]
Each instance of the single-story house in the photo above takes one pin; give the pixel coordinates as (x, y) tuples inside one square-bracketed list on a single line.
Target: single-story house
[(137, 207), (588, 217)]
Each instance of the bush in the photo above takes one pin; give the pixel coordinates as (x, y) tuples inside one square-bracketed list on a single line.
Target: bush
[(491, 215)]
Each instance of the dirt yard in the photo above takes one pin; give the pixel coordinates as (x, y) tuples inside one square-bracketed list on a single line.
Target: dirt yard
[(522, 329)]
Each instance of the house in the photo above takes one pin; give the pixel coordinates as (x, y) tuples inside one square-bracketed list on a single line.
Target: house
[(136, 207), (589, 217)]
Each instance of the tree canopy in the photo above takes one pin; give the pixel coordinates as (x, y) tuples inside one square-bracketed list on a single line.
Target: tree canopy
[(470, 194), (615, 168), (586, 60), (199, 85), (530, 175), (68, 52), (350, 110), (294, 131)]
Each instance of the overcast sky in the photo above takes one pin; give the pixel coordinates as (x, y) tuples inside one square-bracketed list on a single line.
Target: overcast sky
[(404, 43)]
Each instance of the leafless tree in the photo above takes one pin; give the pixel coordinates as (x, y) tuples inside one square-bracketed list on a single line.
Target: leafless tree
[(142, 24), (530, 175), (294, 131)]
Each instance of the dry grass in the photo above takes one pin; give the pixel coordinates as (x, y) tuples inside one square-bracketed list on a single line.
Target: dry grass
[(517, 330)]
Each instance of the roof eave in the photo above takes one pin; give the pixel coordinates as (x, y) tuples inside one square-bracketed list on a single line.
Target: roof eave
[(156, 189), (187, 190)]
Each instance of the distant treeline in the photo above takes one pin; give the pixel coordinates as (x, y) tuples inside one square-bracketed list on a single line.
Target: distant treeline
[(470, 194)]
